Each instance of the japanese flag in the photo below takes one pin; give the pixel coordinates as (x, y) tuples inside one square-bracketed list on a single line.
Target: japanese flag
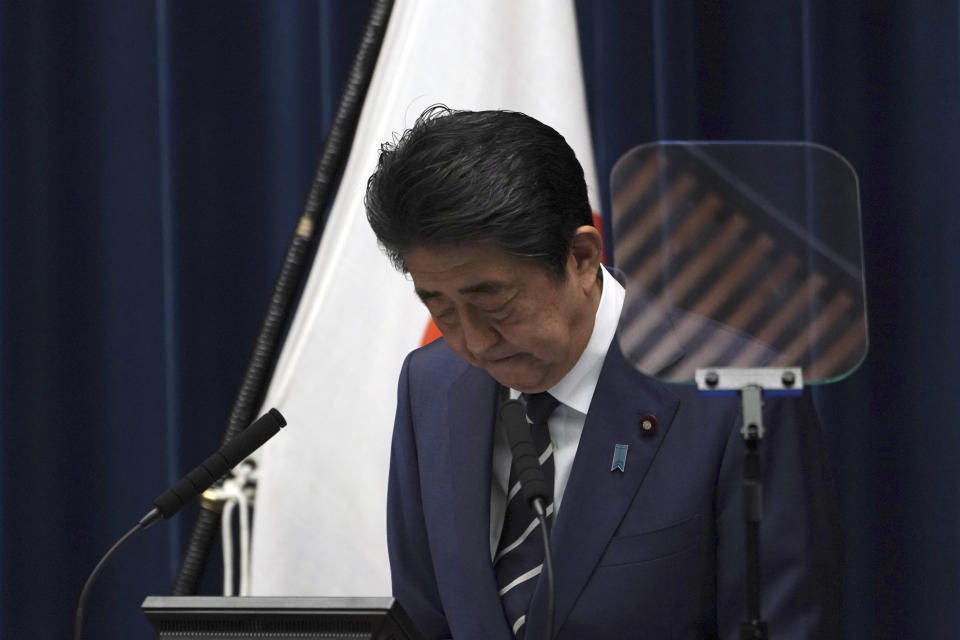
[(319, 524)]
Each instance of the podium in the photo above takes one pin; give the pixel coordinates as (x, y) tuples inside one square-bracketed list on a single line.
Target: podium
[(243, 618)]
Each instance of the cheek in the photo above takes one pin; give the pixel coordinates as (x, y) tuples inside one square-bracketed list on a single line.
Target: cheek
[(454, 339), (544, 338)]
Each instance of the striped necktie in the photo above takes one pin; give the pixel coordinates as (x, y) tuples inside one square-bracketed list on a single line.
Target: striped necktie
[(519, 557)]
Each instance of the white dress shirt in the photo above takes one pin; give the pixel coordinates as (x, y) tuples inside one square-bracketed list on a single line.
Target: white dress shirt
[(574, 391)]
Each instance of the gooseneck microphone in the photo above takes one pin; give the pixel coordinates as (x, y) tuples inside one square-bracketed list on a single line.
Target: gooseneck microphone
[(536, 492), (189, 487), (227, 457)]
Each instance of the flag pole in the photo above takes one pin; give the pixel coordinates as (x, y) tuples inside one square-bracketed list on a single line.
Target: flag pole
[(256, 377)]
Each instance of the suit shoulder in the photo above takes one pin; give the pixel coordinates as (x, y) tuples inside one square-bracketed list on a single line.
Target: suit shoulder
[(434, 361)]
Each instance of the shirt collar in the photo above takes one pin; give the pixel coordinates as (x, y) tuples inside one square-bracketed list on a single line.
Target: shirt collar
[(575, 390)]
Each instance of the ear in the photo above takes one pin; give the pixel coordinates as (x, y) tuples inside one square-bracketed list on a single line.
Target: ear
[(586, 252)]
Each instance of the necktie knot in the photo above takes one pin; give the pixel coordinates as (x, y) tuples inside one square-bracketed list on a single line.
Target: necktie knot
[(540, 406)]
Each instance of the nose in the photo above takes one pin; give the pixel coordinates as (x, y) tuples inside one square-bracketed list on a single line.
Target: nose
[(479, 336)]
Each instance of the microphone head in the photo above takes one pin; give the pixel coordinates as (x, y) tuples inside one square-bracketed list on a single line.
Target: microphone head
[(220, 462), (238, 448), (277, 417), (526, 461), (513, 417)]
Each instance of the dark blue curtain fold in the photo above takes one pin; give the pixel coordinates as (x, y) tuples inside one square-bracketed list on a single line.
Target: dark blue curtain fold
[(155, 158), (153, 161)]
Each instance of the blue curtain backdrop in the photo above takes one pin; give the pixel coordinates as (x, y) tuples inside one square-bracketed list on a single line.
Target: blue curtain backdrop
[(153, 161)]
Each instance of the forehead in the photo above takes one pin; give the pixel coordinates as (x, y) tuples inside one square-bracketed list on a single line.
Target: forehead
[(465, 269)]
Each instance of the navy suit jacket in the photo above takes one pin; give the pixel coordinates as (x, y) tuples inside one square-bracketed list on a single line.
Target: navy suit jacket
[(653, 552)]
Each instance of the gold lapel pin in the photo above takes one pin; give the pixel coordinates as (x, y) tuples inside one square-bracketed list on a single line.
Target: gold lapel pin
[(648, 423)]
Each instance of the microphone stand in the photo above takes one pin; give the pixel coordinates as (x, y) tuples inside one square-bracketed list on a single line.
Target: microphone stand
[(753, 628), (145, 523), (541, 514), (750, 385), (512, 416), (168, 503)]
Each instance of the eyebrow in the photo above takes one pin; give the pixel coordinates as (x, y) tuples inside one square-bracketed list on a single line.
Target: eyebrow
[(487, 287)]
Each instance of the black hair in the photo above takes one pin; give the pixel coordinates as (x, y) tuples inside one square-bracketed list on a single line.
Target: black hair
[(479, 176)]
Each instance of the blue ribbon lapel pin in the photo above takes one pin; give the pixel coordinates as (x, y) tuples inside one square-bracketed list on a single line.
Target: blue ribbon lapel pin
[(619, 458)]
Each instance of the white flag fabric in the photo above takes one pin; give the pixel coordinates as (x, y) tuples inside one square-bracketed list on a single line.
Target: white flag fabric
[(320, 522)]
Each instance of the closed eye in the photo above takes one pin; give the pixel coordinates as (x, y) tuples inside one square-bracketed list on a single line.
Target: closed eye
[(444, 315), (499, 314), (497, 309)]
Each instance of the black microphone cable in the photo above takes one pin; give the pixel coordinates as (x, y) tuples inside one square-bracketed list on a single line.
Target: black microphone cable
[(146, 522)]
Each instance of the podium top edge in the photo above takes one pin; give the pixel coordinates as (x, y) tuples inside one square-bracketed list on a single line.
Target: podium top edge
[(290, 603)]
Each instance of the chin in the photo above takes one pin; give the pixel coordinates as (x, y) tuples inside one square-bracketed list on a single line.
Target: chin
[(529, 390), (523, 378)]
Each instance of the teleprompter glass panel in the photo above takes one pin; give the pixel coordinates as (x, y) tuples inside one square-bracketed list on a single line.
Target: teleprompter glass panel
[(739, 255)]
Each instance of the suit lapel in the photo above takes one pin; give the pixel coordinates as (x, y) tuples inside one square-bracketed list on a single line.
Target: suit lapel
[(597, 498), (471, 409)]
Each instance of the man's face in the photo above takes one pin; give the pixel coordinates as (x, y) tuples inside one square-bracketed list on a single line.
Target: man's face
[(506, 315)]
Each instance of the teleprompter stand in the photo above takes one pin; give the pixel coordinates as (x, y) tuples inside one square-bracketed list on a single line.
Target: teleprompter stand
[(751, 385), (740, 255)]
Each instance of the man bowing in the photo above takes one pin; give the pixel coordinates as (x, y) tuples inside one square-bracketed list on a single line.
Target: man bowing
[(488, 213)]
